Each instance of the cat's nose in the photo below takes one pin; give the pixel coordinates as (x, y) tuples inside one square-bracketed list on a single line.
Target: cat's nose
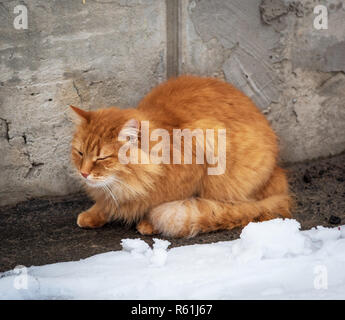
[(85, 175)]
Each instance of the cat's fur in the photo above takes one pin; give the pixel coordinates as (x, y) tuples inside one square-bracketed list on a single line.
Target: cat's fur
[(182, 200)]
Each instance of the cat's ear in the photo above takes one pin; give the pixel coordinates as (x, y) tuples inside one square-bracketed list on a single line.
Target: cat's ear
[(131, 129), (80, 115)]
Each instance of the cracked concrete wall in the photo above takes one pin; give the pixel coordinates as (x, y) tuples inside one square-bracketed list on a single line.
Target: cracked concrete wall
[(94, 55), (112, 52), (271, 51)]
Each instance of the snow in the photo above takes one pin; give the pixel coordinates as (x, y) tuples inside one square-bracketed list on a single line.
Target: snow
[(136, 247), (159, 253), (139, 248), (271, 260), (271, 241)]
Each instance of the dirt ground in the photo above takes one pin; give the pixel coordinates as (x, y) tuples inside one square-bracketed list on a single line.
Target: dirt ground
[(44, 231)]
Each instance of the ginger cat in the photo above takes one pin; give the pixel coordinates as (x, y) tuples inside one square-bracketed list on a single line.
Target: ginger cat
[(181, 200)]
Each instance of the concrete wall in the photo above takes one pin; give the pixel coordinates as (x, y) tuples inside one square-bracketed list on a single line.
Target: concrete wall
[(271, 50), (112, 52), (94, 55)]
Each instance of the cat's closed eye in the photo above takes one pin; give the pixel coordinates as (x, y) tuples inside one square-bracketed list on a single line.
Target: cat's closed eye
[(80, 153), (103, 158)]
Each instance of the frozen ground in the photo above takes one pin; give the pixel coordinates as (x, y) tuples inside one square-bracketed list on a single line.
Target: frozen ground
[(270, 260)]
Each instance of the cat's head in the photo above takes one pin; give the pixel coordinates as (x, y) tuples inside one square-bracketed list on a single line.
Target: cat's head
[(95, 145)]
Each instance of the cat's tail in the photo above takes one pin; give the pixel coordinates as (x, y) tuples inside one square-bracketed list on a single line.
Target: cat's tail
[(186, 218)]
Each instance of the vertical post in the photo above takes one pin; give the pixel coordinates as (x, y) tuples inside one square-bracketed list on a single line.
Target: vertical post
[(172, 23)]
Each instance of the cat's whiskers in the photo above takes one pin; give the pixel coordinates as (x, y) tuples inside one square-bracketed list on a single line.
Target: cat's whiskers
[(106, 188), (125, 185)]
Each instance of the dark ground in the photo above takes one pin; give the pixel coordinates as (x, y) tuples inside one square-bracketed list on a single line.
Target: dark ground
[(42, 231)]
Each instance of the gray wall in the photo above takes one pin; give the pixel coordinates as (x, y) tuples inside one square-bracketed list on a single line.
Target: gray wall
[(112, 52)]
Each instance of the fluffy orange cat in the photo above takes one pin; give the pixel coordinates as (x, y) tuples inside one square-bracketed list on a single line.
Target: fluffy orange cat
[(181, 200)]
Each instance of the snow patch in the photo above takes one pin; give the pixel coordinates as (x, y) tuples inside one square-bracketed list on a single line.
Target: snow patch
[(138, 248), (323, 234), (277, 239), (160, 254), (271, 260)]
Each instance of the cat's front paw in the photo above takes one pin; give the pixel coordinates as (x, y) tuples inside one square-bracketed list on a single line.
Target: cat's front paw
[(89, 220), (145, 228)]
